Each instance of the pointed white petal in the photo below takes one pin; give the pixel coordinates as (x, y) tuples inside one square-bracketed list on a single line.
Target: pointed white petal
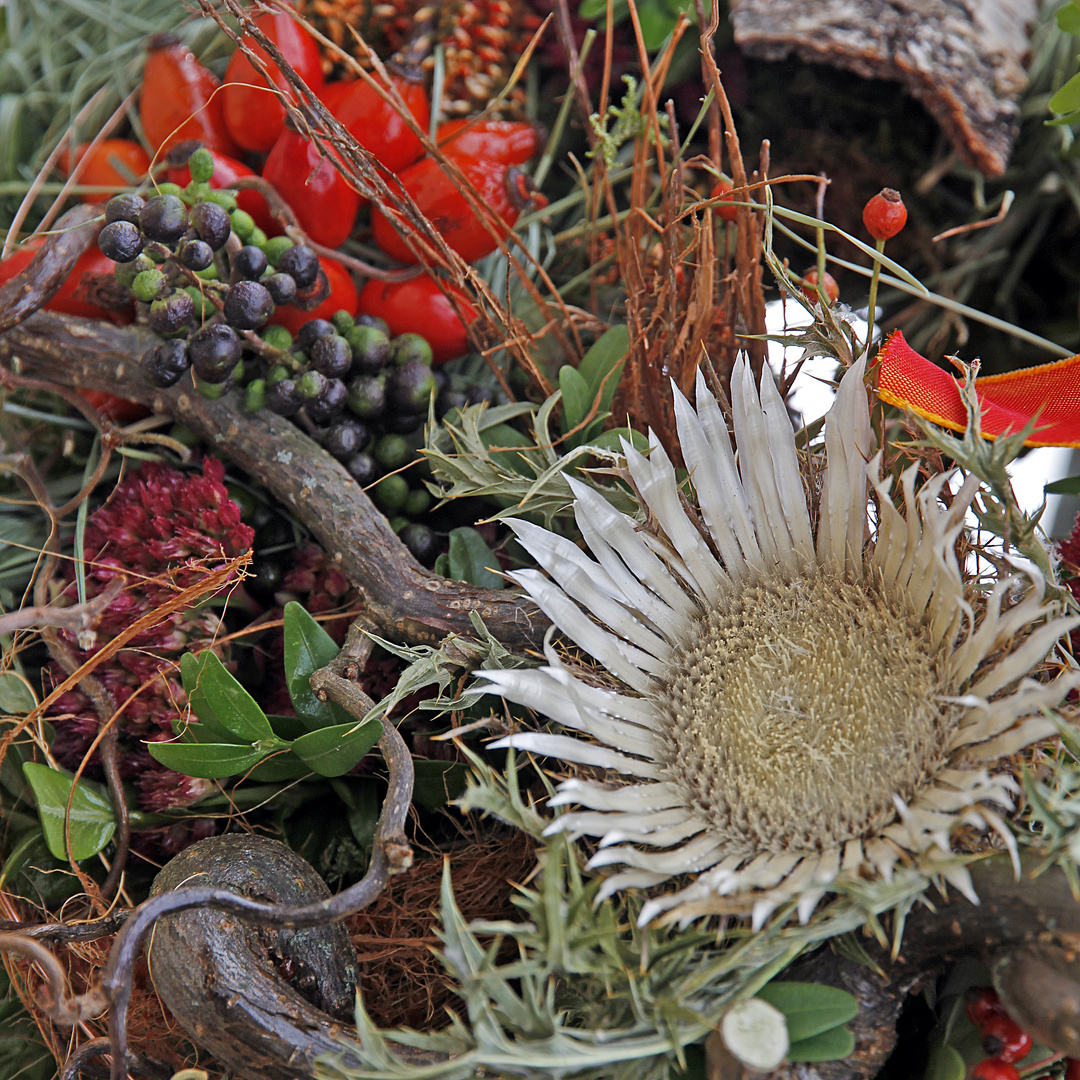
[(727, 475), (1019, 662), (578, 751), (655, 481), (695, 856), (674, 834), (789, 484), (634, 798), (628, 879), (756, 467), (1024, 734), (706, 476)]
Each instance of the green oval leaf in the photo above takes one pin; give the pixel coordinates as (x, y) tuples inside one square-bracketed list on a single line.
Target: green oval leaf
[(333, 751), (1068, 19), (831, 1045), (280, 767), (191, 668), (308, 647), (946, 1063), (92, 819), (1067, 99), (209, 761), (472, 560), (809, 1008), (15, 696), (233, 707), (576, 398)]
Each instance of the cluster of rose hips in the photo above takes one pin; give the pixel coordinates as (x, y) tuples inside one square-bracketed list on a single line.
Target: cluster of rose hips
[(1003, 1039)]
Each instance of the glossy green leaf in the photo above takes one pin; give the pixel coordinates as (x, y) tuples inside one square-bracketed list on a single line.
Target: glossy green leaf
[(191, 668), (1067, 99), (945, 1063), (1069, 486), (831, 1045), (308, 647), (809, 1008), (437, 782), (15, 696), (1068, 19), (210, 761), (235, 709), (286, 727), (280, 767), (472, 560), (333, 751), (92, 819), (576, 398)]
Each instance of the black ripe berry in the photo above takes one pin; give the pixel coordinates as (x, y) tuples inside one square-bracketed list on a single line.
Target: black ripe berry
[(281, 287), (363, 469), (212, 224), (283, 398), (124, 208), (215, 351), (196, 254), (165, 363), (249, 263), (421, 541), (312, 330), (171, 314), (248, 305), (164, 218), (120, 241), (332, 356), (449, 399), (346, 438), (410, 387), (301, 264), (370, 348), (329, 404), (265, 580)]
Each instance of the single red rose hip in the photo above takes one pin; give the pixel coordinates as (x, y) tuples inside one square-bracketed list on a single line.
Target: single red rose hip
[(1003, 1037), (810, 289), (722, 189), (885, 214), (995, 1069), (981, 1004)]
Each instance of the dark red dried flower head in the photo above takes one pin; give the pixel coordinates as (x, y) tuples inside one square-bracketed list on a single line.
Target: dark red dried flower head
[(161, 530)]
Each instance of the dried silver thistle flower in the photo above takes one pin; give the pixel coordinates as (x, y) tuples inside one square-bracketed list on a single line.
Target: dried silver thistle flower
[(782, 712)]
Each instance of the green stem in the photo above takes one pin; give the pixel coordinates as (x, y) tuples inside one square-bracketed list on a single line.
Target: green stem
[(880, 245)]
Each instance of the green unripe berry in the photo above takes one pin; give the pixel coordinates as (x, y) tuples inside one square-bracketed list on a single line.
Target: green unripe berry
[(210, 390), (126, 273), (166, 188), (238, 372), (201, 164), (275, 247), (392, 451), (256, 237), (243, 224), (149, 285), (277, 337), (343, 321), (410, 347), (418, 503), (224, 197), (204, 308), (209, 274), (277, 373), (398, 523), (255, 395), (390, 493)]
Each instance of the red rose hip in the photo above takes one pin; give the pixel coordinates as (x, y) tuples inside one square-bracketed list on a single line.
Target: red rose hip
[(885, 214)]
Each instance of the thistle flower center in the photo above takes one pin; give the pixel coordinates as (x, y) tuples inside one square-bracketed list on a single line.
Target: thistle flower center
[(798, 710)]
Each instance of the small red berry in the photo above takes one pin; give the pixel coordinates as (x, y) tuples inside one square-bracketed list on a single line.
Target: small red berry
[(722, 190), (1072, 1069), (809, 285), (885, 214), (995, 1069), (1004, 1038), (982, 1003)]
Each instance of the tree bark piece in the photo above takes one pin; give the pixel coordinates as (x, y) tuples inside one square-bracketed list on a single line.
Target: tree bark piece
[(402, 599), (963, 59)]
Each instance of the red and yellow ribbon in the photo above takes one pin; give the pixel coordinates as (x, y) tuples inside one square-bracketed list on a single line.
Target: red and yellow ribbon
[(1049, 394)]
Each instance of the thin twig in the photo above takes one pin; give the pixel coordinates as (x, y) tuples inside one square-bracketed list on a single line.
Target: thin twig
[(77, 618)]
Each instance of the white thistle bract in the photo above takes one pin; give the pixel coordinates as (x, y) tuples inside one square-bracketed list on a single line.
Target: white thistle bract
[(782, 714)]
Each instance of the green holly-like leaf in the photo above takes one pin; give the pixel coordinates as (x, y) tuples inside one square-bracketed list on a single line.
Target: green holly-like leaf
[(472, 560), (809, 1008), (92, 820), (334, 751), (308, 647), (209, 761)]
